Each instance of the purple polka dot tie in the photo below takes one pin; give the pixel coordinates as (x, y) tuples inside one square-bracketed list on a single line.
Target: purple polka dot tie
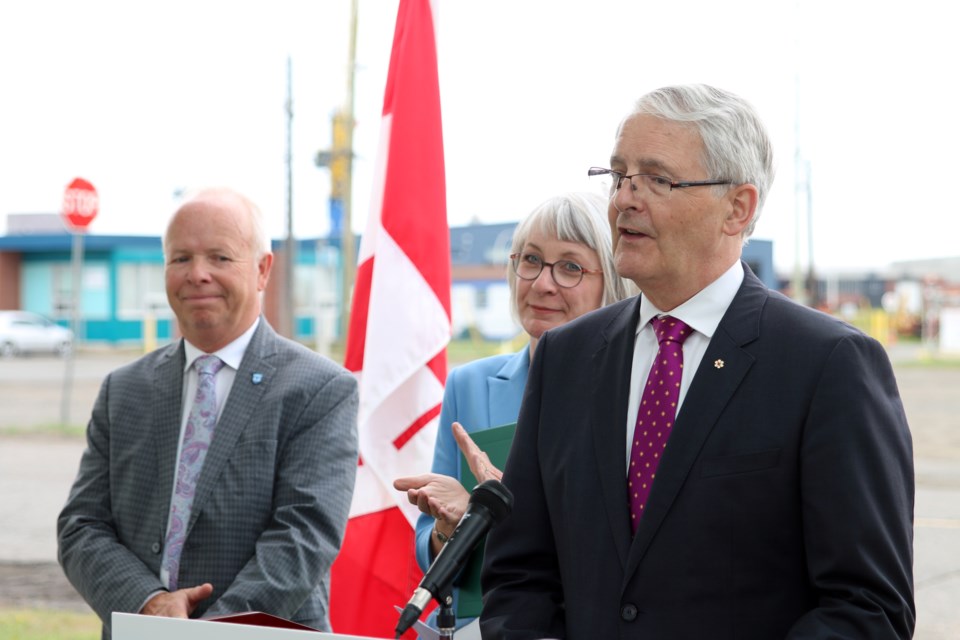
[(658, 408), (196, 440)]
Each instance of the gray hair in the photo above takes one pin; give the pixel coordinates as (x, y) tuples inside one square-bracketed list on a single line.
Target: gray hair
[(572, 217), (736, 146)]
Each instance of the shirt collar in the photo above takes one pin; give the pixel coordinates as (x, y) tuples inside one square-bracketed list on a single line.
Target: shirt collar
[(703, 311), (232, 354)]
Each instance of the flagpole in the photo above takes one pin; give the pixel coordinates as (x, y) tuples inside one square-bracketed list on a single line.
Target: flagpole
[(288, 323)]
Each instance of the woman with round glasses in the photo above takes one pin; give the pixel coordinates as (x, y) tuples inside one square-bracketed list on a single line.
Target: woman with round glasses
[(561, 268)]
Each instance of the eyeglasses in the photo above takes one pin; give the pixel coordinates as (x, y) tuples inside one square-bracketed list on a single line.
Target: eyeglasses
[(566, 273), (657, 185)]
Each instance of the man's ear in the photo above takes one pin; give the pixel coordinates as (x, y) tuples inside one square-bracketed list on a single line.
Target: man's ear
[(743, 206), (263, 268)]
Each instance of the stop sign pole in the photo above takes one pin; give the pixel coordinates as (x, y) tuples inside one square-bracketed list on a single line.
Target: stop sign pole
[(81, 203)]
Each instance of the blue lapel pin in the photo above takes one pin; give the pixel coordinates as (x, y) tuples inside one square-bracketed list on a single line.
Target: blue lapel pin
[(257, 378)]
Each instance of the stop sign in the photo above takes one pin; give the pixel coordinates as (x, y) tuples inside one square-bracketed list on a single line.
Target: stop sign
[(80, 204)]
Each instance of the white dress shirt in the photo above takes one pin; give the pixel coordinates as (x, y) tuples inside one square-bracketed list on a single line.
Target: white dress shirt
[(702, 313)]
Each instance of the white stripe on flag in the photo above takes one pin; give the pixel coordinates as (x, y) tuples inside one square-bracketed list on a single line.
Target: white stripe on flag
[(413, 326), (368, 242)]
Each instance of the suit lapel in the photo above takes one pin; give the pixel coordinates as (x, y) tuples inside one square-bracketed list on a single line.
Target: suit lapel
[(721, 371), (166, 401), (503, 399), (253, 377), (611, 393)]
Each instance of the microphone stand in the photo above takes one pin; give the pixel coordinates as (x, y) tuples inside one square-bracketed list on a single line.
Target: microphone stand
[(490, 502), (446, 619)]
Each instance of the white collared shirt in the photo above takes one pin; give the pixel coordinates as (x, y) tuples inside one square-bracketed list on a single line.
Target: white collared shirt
[(702, 313), (232, 356)]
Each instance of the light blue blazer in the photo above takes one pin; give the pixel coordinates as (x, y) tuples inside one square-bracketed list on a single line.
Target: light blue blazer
[(479, 395)]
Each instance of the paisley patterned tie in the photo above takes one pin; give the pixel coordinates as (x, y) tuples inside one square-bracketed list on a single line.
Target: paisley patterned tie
[(196, 441), (658, 408)]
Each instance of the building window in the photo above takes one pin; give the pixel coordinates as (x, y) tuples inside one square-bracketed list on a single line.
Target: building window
[(482, 299), (315, 288), (141, 288), (48, 289)]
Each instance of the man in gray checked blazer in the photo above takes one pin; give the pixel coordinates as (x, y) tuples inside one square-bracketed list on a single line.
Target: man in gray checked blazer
[(274, 490)]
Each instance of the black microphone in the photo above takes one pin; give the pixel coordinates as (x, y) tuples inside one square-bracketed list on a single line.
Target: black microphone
[(490, 502)]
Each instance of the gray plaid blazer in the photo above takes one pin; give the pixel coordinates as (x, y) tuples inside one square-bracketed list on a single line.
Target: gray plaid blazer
[(272, 500)]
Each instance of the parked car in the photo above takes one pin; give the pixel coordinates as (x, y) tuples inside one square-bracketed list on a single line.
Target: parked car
[(27, 332)]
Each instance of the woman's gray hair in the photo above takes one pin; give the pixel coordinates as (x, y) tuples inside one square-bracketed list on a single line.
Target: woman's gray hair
[(571, 217), (736, 145)]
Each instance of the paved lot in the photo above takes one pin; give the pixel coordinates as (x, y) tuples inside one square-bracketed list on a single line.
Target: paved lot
[(36, 469)]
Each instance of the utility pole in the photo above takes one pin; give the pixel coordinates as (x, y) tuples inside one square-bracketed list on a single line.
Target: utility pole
[(797, 285), (339, 159), (349, 252), (288, 325), (799, 169), (812, 290)]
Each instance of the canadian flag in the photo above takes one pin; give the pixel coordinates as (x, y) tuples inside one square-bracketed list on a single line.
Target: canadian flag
[(399, 330)]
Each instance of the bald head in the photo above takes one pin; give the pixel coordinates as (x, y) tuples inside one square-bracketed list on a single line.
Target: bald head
[(217, 263)]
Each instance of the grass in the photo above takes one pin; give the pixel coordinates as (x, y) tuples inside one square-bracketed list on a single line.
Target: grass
[(461, 350), (55, 430), (45, 624)]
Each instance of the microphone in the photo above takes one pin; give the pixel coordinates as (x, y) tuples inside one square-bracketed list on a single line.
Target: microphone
[(490, 502)]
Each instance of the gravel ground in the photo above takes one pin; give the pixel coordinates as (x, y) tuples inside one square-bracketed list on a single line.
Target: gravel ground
[(36, 470), (38, 585)]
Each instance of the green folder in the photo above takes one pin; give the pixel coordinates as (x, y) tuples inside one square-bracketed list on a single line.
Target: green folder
[(496, 443)]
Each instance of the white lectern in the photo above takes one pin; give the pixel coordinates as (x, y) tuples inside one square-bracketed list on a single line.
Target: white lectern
[(128, 626)]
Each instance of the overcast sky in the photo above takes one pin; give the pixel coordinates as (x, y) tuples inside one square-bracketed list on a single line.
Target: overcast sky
[(145, 100)]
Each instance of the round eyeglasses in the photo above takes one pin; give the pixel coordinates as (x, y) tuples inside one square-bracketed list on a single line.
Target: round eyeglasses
[(611, 181), (565, 273)]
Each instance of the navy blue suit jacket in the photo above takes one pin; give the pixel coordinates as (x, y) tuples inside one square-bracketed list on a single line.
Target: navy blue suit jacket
[(782, 507)]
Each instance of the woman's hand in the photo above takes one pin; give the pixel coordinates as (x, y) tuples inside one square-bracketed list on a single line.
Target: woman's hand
[(439, 496), (477, 460)]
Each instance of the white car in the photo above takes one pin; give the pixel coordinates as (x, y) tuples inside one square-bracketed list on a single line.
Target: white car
[(27, 332)]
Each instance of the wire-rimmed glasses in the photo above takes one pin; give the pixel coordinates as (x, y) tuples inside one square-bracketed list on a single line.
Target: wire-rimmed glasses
[(611, 181), (566, 273)]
